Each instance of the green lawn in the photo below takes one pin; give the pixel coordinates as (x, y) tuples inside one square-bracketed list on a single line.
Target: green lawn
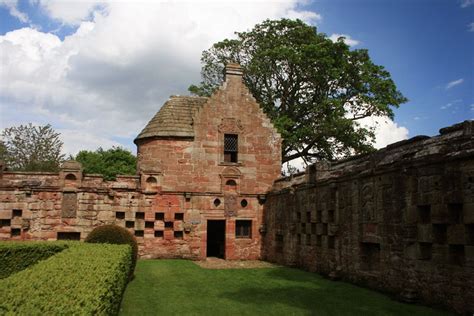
[(172, 287)]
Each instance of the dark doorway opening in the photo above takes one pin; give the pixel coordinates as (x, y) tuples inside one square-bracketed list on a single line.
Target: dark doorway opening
[(216, 238)]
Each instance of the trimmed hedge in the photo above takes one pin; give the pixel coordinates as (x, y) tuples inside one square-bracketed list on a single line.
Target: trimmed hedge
[(84, 279), (17, 256), (113, 234)]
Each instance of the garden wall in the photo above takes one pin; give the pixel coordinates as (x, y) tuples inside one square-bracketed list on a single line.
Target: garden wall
[(399, 220)]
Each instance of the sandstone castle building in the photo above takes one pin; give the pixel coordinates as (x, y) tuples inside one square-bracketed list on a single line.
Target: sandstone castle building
[(400, 220)]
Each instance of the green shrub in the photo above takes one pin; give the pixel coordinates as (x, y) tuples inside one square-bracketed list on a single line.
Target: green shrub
[(17, 256), (84, 279), (113, 234)]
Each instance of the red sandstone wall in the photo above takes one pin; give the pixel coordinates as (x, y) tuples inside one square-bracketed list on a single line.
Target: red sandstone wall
[(400, 220), (190, 175)]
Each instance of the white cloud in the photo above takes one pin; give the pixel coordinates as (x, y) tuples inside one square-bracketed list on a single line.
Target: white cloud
[(71, 12), (347, 39), (386, 130), (470, 27), (450, 104), (466, 3), (12, 6), (454, 83), (109, 78)]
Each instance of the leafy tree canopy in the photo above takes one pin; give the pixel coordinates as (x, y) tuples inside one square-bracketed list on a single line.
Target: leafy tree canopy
[(31, 148), (109, 163), (314, 90)]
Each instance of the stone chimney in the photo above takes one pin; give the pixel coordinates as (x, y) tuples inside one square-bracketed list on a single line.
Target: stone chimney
[(233, 70)]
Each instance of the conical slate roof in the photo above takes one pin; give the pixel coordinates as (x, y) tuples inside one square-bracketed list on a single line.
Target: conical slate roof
[(174, 119)]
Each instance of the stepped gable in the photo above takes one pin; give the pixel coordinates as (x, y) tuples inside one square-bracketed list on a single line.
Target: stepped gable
[(174, 119)]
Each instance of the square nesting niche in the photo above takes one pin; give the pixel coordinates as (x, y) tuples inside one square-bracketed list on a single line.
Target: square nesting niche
[(140, 215), (424, 214), (160, 216), (158, 234), (455, 213), (5, 222), (178, 235), (15, 232), (120, 215), (17, 213), (179, 216), (149, 224), (130, 224)]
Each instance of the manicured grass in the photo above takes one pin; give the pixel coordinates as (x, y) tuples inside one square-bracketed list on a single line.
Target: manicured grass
[(172, 287)]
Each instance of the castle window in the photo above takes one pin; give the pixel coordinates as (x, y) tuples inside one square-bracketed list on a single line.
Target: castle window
[(243, 229), (231, 145)]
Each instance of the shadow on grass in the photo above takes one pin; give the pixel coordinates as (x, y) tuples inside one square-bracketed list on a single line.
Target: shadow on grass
[(314, 295)]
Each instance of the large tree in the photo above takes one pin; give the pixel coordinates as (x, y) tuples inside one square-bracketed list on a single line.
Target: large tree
[(109, 163), (31, 148), (314, 90)]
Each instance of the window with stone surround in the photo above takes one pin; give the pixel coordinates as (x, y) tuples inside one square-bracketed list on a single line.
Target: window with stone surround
[(243, 229), (231, 148)]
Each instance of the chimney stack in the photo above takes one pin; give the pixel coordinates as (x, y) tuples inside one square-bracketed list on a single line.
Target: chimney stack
[(233, 70)]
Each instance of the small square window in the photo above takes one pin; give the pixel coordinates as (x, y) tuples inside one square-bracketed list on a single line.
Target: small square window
[(139, 233), (158, 234), (5, 222), (140, 215), (149, 224), (179, 216), (160, 216), (129, 224), (169, 225), (17, 213), (243, 229)]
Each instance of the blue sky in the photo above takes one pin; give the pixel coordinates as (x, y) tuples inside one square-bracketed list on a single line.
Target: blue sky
[(98, 71)]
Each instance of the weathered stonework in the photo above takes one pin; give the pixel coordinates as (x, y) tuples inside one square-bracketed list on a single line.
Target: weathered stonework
[(183, 183), (400, 220)]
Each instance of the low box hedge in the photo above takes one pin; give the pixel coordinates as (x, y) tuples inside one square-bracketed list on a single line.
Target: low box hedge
[(17, 256), (84, 279)]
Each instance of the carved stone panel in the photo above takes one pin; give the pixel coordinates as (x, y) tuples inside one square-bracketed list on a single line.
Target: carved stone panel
[(367, 203), (230, 205), (230, 125), (69, 205)]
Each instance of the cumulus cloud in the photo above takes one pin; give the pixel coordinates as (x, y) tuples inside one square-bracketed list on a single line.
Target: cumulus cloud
[(466, 3), (347, 39), (100, 85), (108, 78), (12, 6), (386, 130), (470, 27), (454, 83)]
